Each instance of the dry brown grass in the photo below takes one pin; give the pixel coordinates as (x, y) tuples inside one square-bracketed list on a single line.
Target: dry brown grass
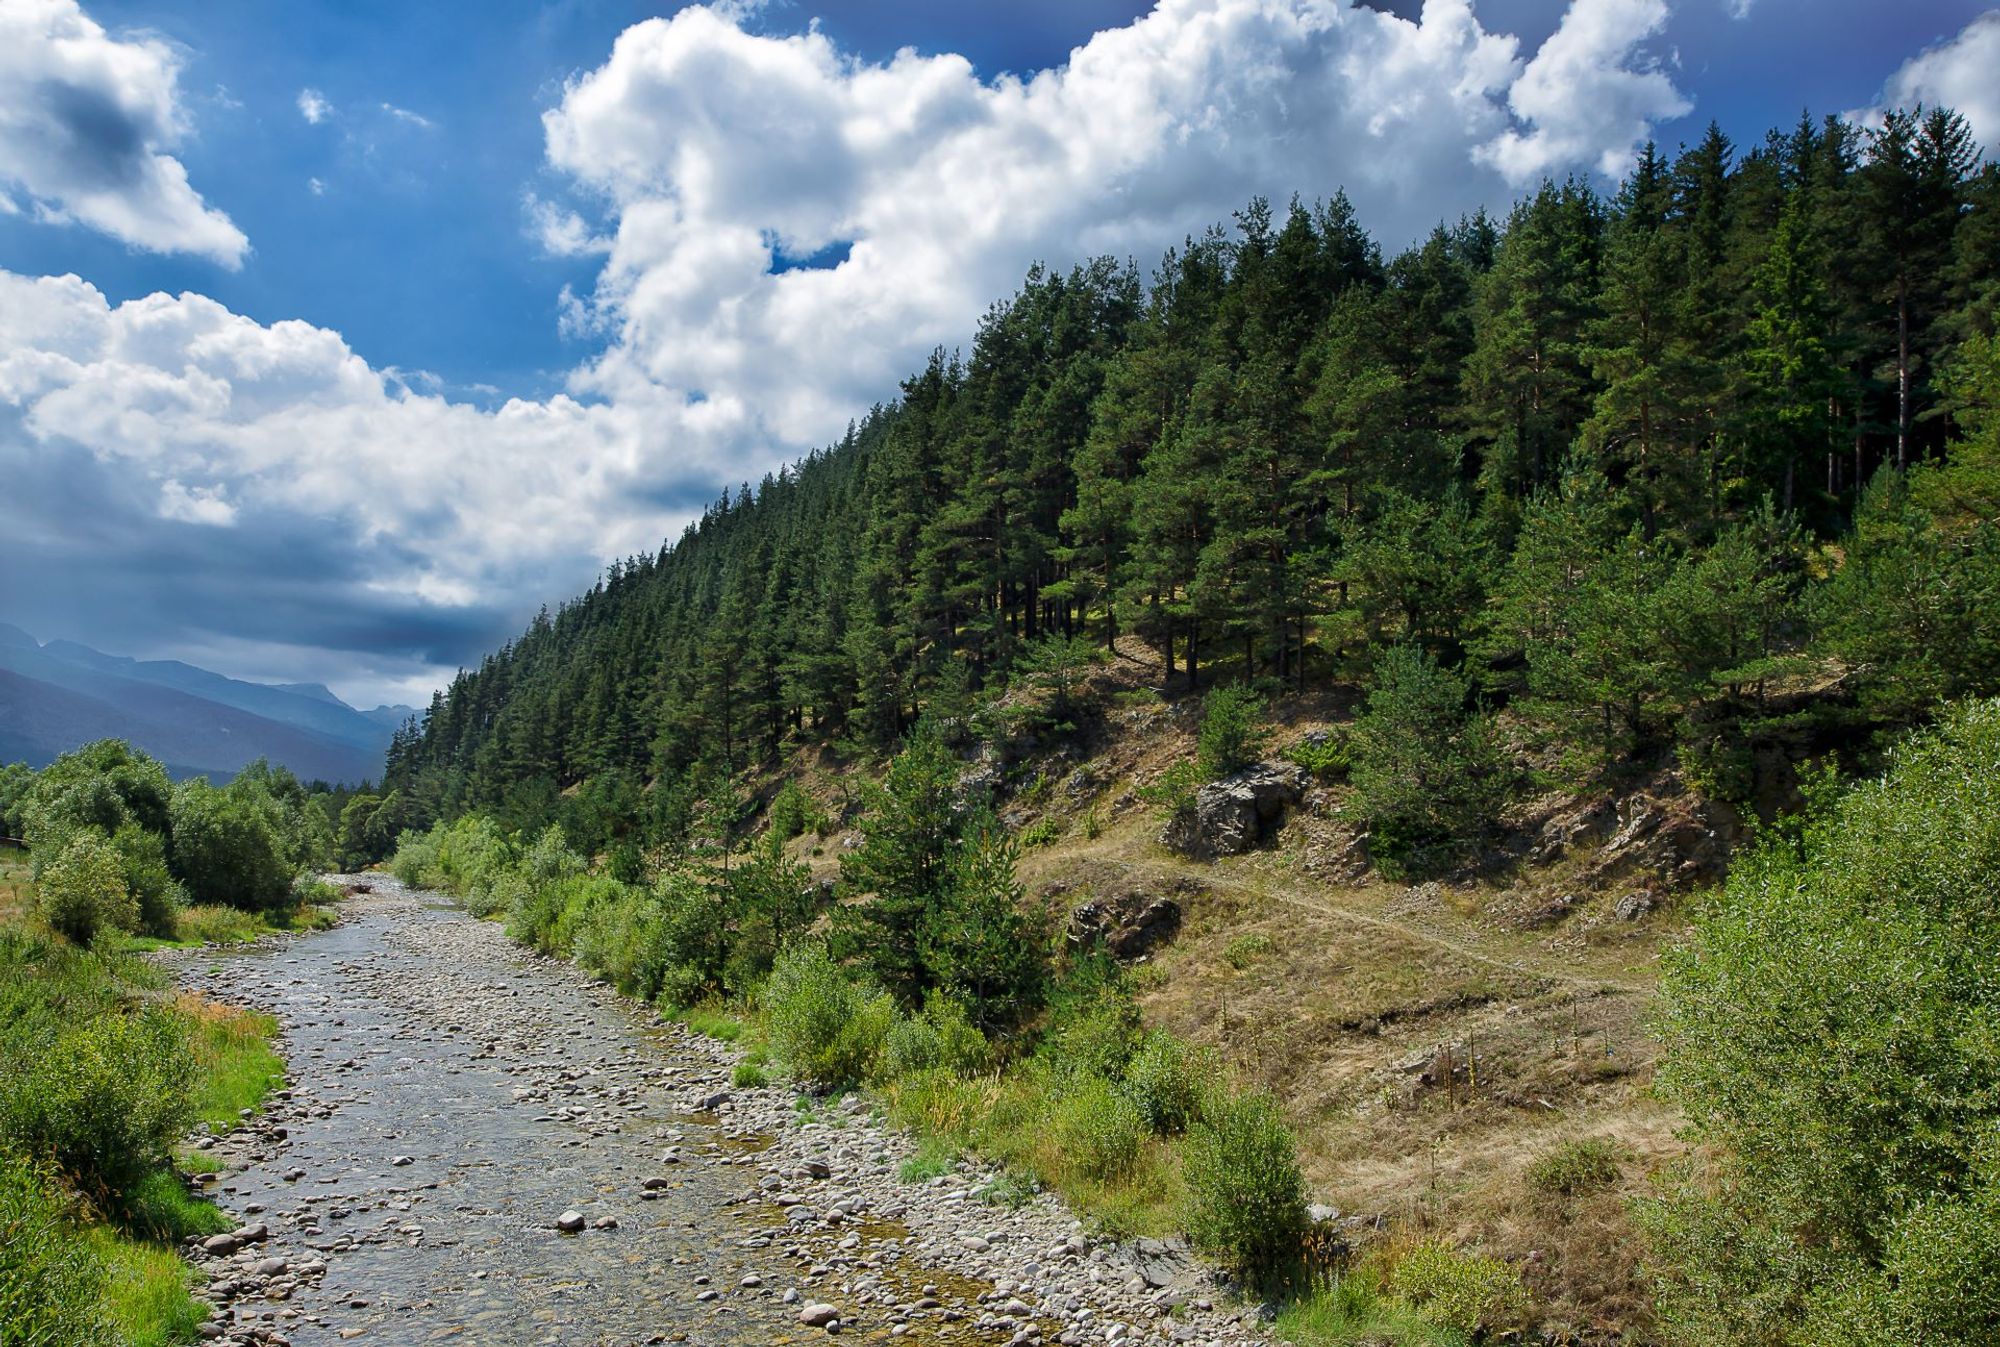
[(1345, 1005), (17, 888)]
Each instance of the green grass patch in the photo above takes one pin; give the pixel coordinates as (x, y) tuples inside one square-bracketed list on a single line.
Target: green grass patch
[(749, 1075), (235, 1065), (148, 1290), (935, 1156), (160, 1207), (710, 1019), (1353, 1311)]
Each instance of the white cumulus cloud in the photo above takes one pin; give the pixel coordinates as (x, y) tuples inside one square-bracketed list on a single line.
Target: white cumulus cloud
[(1587, 95), (313, 106), (86, 123), (1962, 72)]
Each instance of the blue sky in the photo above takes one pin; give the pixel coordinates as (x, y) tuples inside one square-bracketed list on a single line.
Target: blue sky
[(311, 467)]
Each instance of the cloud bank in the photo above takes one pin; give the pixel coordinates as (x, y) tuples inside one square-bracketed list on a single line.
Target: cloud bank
[(86, 123), (786, 231)]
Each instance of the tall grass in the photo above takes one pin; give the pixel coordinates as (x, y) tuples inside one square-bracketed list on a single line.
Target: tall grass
[(100, 1075)]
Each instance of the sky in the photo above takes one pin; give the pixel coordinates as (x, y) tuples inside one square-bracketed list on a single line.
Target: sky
[(339, 336)]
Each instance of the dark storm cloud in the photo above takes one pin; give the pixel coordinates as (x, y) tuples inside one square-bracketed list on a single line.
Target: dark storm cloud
[(90, 560)]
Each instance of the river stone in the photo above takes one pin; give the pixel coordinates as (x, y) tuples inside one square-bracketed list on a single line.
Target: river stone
[(570, 1221), (818, 1314)]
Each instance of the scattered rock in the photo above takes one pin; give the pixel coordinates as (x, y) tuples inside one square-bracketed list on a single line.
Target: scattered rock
[(570, 1221), (1127, 925), (819, 1314), (1634, 905)]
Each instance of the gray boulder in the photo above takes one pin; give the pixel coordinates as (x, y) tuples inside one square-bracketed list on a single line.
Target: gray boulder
[(1230, 816)]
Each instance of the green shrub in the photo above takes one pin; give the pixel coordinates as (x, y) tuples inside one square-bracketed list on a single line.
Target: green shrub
[(102, 1099), (227, 848), (508, 891), (1246, 1195), (1097, 1130), (1575, 1167), (1326, 756), (50, 1281), (1172, 790), (1043, 832), (748, 1075), (1830, 1037), (1245, 950), (792, 812), (1430, 777), (1230, 737), (157, 896), (415, 862), (82, 889), (1469, 1292), (1169, 1083), (940, 1038), (1093, 1026), (826, 1028)]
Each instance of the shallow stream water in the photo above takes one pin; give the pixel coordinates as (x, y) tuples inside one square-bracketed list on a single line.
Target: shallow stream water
[(451, 1097)]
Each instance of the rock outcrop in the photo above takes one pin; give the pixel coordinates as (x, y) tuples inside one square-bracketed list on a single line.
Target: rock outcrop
[(1230, 816)]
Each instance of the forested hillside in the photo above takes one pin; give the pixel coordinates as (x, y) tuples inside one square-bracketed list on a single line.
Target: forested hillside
[(1705, 468)]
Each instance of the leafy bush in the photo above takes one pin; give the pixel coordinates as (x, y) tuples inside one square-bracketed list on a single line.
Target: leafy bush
[(1096, 1129), (1230, 738), (226, 848), (793, 814), (941, 1038), (1169, 1083), (747, 1075), (1172, 790), (1575, 1167), (1829, 1033), (102, 1099), (415, 862), (670, 939), (157, 896), (826, 1028), (1324, 754), (1043, 832), (82, 890), (50, 1281), (1246, 1195), (1469, 1292), (1093, 1027)]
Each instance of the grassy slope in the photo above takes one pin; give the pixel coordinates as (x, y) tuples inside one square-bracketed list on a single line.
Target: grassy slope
[(1346, 996), (1345, 1004), (148, 1287)]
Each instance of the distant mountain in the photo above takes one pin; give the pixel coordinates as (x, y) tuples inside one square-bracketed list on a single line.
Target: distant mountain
[(57, 696)]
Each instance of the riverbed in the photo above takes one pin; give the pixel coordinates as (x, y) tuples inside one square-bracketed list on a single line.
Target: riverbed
[(455, 1101)]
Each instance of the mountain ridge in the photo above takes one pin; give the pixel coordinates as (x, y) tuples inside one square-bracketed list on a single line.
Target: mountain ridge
[(62, 694)]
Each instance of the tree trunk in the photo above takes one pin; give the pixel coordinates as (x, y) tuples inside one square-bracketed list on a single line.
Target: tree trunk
[(1902, 371)]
